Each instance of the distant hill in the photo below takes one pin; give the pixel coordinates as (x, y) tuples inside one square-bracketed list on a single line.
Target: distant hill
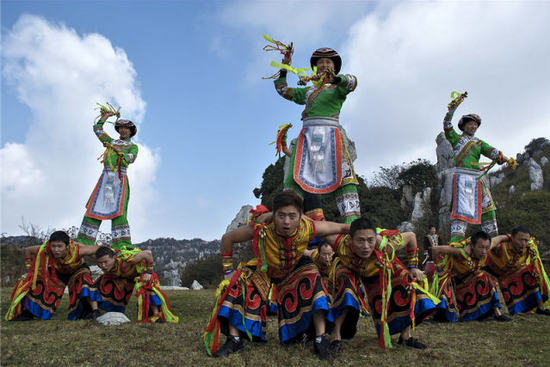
[(175, 254)]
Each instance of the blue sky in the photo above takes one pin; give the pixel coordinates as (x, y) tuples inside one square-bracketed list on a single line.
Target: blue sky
[(189, 73)]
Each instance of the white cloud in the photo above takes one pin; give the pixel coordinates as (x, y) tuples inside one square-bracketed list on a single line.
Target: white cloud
[(410, 57), (308, 24), (60, 75)]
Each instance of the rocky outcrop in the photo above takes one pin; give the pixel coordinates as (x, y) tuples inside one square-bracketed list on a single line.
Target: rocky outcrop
[(445, 171), (535, 174), (172, 277), (495, 180), (113, 319), (196, 286), (241, 219)]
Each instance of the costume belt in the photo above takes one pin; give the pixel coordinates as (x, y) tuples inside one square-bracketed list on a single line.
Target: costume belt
[(123, 169), (321, 121), (466, 171)]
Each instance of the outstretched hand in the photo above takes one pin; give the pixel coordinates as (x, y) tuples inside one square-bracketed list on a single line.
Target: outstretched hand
[(105, 114), (146, 277), (417, 273)]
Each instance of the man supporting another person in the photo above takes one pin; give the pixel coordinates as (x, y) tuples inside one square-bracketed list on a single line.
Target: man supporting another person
[(52, 266), (515, 261), (365, 259), (242, 298), (475, 296), (124, 271)]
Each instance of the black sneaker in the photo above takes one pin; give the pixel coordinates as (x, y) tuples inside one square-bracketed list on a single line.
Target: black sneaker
[(503, 318), (230, 346), (544, 311), (411, 343), (95, 314), (322, 348), (26, 315), (336, 347)]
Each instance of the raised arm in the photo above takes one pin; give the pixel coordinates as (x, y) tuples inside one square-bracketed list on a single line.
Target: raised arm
[(446, 250), (497, 240), (146, 255), (98, 127), (325, 228), (87, 250)]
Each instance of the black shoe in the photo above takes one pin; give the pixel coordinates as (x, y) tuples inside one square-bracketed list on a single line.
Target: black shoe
[(544, 311), (336, 348), (411, 343), (95, 314), (26, 315), (503, 318), (230, 346), (322, 348)]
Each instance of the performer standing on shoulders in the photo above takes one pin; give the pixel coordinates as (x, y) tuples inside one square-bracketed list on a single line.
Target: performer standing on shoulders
[(110, 197), (320, 162), (472, 202)]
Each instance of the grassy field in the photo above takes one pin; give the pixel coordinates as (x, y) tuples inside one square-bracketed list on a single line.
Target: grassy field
[(58, 342)]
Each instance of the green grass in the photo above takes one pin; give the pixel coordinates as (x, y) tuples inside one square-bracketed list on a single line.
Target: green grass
[(58, 342)]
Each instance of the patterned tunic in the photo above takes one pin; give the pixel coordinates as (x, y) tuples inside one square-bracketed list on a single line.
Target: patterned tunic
[(284, 253), (522, 278), (108, 198)]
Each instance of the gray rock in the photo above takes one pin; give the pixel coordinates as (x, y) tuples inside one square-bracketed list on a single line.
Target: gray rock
[(241, 219), (173, 288), (511, 190), (543, 161), (421, 206), (445, 173), (495, 180), (444, 151), (112, 318), (405, 227), (535, 173), (173, 277), (408, 195), (196, 286), (523, 158)]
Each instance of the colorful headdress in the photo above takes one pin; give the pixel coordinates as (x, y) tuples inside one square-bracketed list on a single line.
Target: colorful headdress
[(470, 117), (126, 123), (329, 53)]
